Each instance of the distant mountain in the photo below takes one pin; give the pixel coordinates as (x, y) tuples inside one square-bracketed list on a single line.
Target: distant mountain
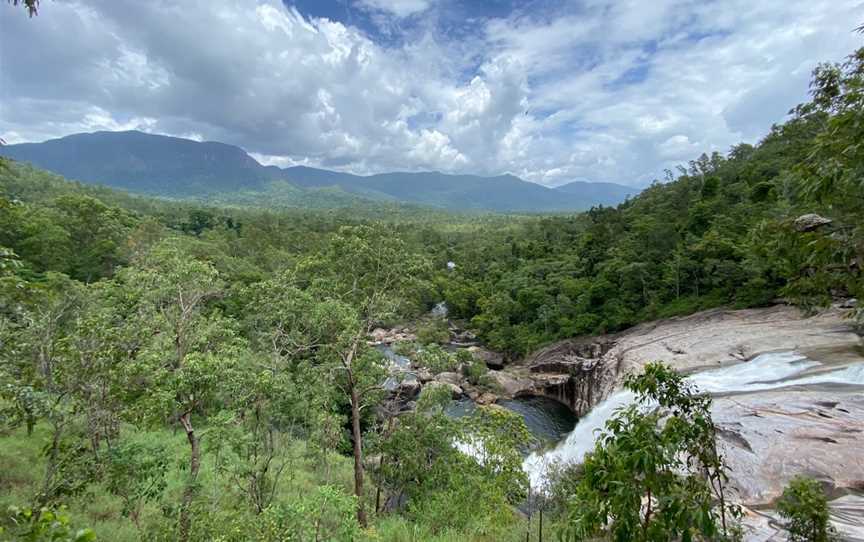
[(599, 193), (176, 167), (146, 163)]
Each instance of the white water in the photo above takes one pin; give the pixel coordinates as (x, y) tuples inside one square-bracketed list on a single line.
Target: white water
[(765, 372)]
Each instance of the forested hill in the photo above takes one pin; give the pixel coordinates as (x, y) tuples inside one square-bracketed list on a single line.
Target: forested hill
[(176, 167), (783, 218)]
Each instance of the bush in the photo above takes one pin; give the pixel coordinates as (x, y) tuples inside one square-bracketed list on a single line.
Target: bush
[(436, 359), (433, 332), (474, 371), (44, 526), (804, 507)]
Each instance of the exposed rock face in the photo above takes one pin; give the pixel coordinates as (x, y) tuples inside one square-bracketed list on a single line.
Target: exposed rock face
[(582, 372), (574, 373), (510, 383), (720, 337), (810, 222), (769, 437), (449, 378)]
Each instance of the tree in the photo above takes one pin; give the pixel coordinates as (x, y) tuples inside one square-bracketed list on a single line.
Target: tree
[(655, 473), (189, 367), (456, 473), (804, 507), (377, 277)]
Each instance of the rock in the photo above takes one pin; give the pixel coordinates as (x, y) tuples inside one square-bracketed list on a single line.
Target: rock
[(771, 436), (424, 375), (850, 303), (449, 378), (574, 373), (486, 398), (455, 391), (408, 388), (810, 222), (510, 384), (493, 360), (380, 335)]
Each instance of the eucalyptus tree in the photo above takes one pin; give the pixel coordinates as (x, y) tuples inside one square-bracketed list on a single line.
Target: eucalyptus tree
[(40, 382), (189, 368), (378, 280)]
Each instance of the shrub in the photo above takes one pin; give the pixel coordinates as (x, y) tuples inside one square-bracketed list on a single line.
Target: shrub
[(436, 359), (474, 371), (433, 331), (655, 473), (804, 507), (44, 526)]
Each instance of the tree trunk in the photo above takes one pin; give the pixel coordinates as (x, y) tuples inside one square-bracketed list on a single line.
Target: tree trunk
[(358, 455), (51, 466), (192, 483)]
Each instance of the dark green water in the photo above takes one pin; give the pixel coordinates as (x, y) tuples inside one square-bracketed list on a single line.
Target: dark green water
[(548, 420)]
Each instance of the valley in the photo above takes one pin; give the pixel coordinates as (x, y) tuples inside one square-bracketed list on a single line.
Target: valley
[(318, 271)]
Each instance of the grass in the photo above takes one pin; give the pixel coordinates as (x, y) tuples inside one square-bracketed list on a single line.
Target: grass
[(22, 467)]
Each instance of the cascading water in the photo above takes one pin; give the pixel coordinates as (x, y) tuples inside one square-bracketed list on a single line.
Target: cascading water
[(765, 372)]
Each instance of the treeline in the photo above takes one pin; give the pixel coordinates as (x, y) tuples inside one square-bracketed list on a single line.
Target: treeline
[(721, 232)]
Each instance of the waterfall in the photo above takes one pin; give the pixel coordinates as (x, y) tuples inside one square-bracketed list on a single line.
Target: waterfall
[(765, 372)]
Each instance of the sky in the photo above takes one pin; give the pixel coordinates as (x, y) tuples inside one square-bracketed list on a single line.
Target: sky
[(590, 90)]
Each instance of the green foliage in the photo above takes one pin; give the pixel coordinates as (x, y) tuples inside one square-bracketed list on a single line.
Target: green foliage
[(655, 472), (433, 331), (804, 507), (325, 514), (466, 488), (45, 525), (435, 358), (473, 369), (136, 472)]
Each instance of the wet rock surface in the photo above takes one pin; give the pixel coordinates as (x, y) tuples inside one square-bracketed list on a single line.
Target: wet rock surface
[(769, 437)]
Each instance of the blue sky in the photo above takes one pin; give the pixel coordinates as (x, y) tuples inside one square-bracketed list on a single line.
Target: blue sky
[(598, 90)]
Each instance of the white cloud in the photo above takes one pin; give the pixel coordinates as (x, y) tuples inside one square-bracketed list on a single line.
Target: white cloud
[(610, 91), (399, 8)]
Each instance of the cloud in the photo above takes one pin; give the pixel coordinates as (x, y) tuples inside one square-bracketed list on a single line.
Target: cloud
[(600, 90), (399, 8)]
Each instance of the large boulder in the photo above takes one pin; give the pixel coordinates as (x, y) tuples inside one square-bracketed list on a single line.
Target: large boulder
[(449, 378), (810, 222), (493, 360), (408, 388), (510, 384)]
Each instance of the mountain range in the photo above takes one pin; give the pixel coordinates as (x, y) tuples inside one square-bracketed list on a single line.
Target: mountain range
[(183, 168)]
